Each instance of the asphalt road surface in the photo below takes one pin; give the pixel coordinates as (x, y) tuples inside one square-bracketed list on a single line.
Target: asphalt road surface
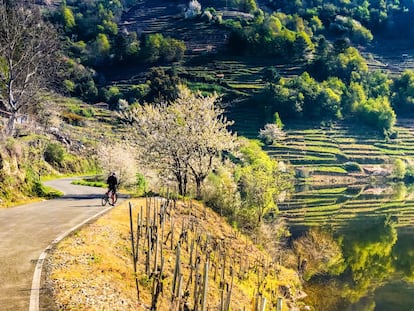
[(26, 231)]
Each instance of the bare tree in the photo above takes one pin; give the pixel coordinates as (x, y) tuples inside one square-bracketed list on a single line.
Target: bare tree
[(28, 46), (183, 138)]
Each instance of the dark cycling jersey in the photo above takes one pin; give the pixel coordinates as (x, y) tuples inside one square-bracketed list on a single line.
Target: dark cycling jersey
[(112, 181)]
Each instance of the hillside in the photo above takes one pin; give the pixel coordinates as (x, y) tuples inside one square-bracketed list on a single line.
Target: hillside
[(328, 148), (94, 267), (159, 16), (210, 65), (60, 141), (206, 57), (207, 44)]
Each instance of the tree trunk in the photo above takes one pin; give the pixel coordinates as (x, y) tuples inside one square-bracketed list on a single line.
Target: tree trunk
[(182, 184), (185, 184), (11, 125), (198, 187)]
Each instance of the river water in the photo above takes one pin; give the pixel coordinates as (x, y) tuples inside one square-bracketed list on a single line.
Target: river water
[(372, 227)]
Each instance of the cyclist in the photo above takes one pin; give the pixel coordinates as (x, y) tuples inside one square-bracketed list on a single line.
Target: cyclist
[(112, 182)]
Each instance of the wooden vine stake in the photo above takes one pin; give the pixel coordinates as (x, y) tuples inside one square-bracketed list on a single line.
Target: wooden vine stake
[(205, 287), (228, 299), (134, 250), (177, 274)]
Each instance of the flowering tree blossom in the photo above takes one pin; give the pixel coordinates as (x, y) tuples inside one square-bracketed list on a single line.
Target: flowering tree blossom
[(193, 10), (271, 133), (184, 138), (119, 158)]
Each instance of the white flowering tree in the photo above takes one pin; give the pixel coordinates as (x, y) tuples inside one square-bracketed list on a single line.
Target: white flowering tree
[(184, 138), (271, 133), (193, 10), (119, 158)]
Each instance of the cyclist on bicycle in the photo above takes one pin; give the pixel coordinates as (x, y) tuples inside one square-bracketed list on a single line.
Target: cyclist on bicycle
[(112, 182)]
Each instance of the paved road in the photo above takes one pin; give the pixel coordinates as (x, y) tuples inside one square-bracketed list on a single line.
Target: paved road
[(25, 232)]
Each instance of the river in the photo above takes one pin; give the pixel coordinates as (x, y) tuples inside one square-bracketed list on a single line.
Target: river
[(372, 227)]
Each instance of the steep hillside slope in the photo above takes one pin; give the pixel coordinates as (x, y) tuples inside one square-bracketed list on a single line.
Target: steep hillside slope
[(167, 18), (63, 141), (93, 269)]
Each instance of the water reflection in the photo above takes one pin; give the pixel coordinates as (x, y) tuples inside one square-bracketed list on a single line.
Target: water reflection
[(377, 271), (372, 226)]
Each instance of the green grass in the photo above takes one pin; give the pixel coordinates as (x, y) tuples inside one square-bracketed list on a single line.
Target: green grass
[(50, 193), (330, 169), (83, 182), (206, 87), (246, 86)]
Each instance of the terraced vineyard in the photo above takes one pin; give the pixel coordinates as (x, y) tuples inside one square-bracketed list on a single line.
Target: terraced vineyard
[(205, 65), (157, 16), (318, 148), (336, 207), (330, 195), (392, 57)]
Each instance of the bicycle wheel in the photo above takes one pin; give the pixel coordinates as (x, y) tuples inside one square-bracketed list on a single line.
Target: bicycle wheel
[(105, 199)]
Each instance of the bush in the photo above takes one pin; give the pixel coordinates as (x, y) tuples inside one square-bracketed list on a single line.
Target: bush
[(54, 154), (376, 113), (33, 186), (399, 170), (352, 167), (142, 185), (221, 194), (409, 174), (271, 133), (72, 118), (193, 10)]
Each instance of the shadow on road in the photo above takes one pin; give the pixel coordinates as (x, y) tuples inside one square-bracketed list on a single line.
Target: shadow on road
[(88, 196)]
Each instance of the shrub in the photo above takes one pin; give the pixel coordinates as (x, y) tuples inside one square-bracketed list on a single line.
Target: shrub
[(221, 194), (54, 154), (193, 10), (72, 118), (142, 185), (376, 113), (136, 92), (399, 169), (69, 86), (319, 253), (352, 167), (409, 174)]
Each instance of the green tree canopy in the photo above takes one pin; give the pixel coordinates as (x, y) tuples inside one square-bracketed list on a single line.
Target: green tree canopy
[(376, 112), (261, 181), (402, 89)]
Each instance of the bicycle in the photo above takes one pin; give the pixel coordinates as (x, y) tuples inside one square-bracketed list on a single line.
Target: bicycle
[(109, 197)]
